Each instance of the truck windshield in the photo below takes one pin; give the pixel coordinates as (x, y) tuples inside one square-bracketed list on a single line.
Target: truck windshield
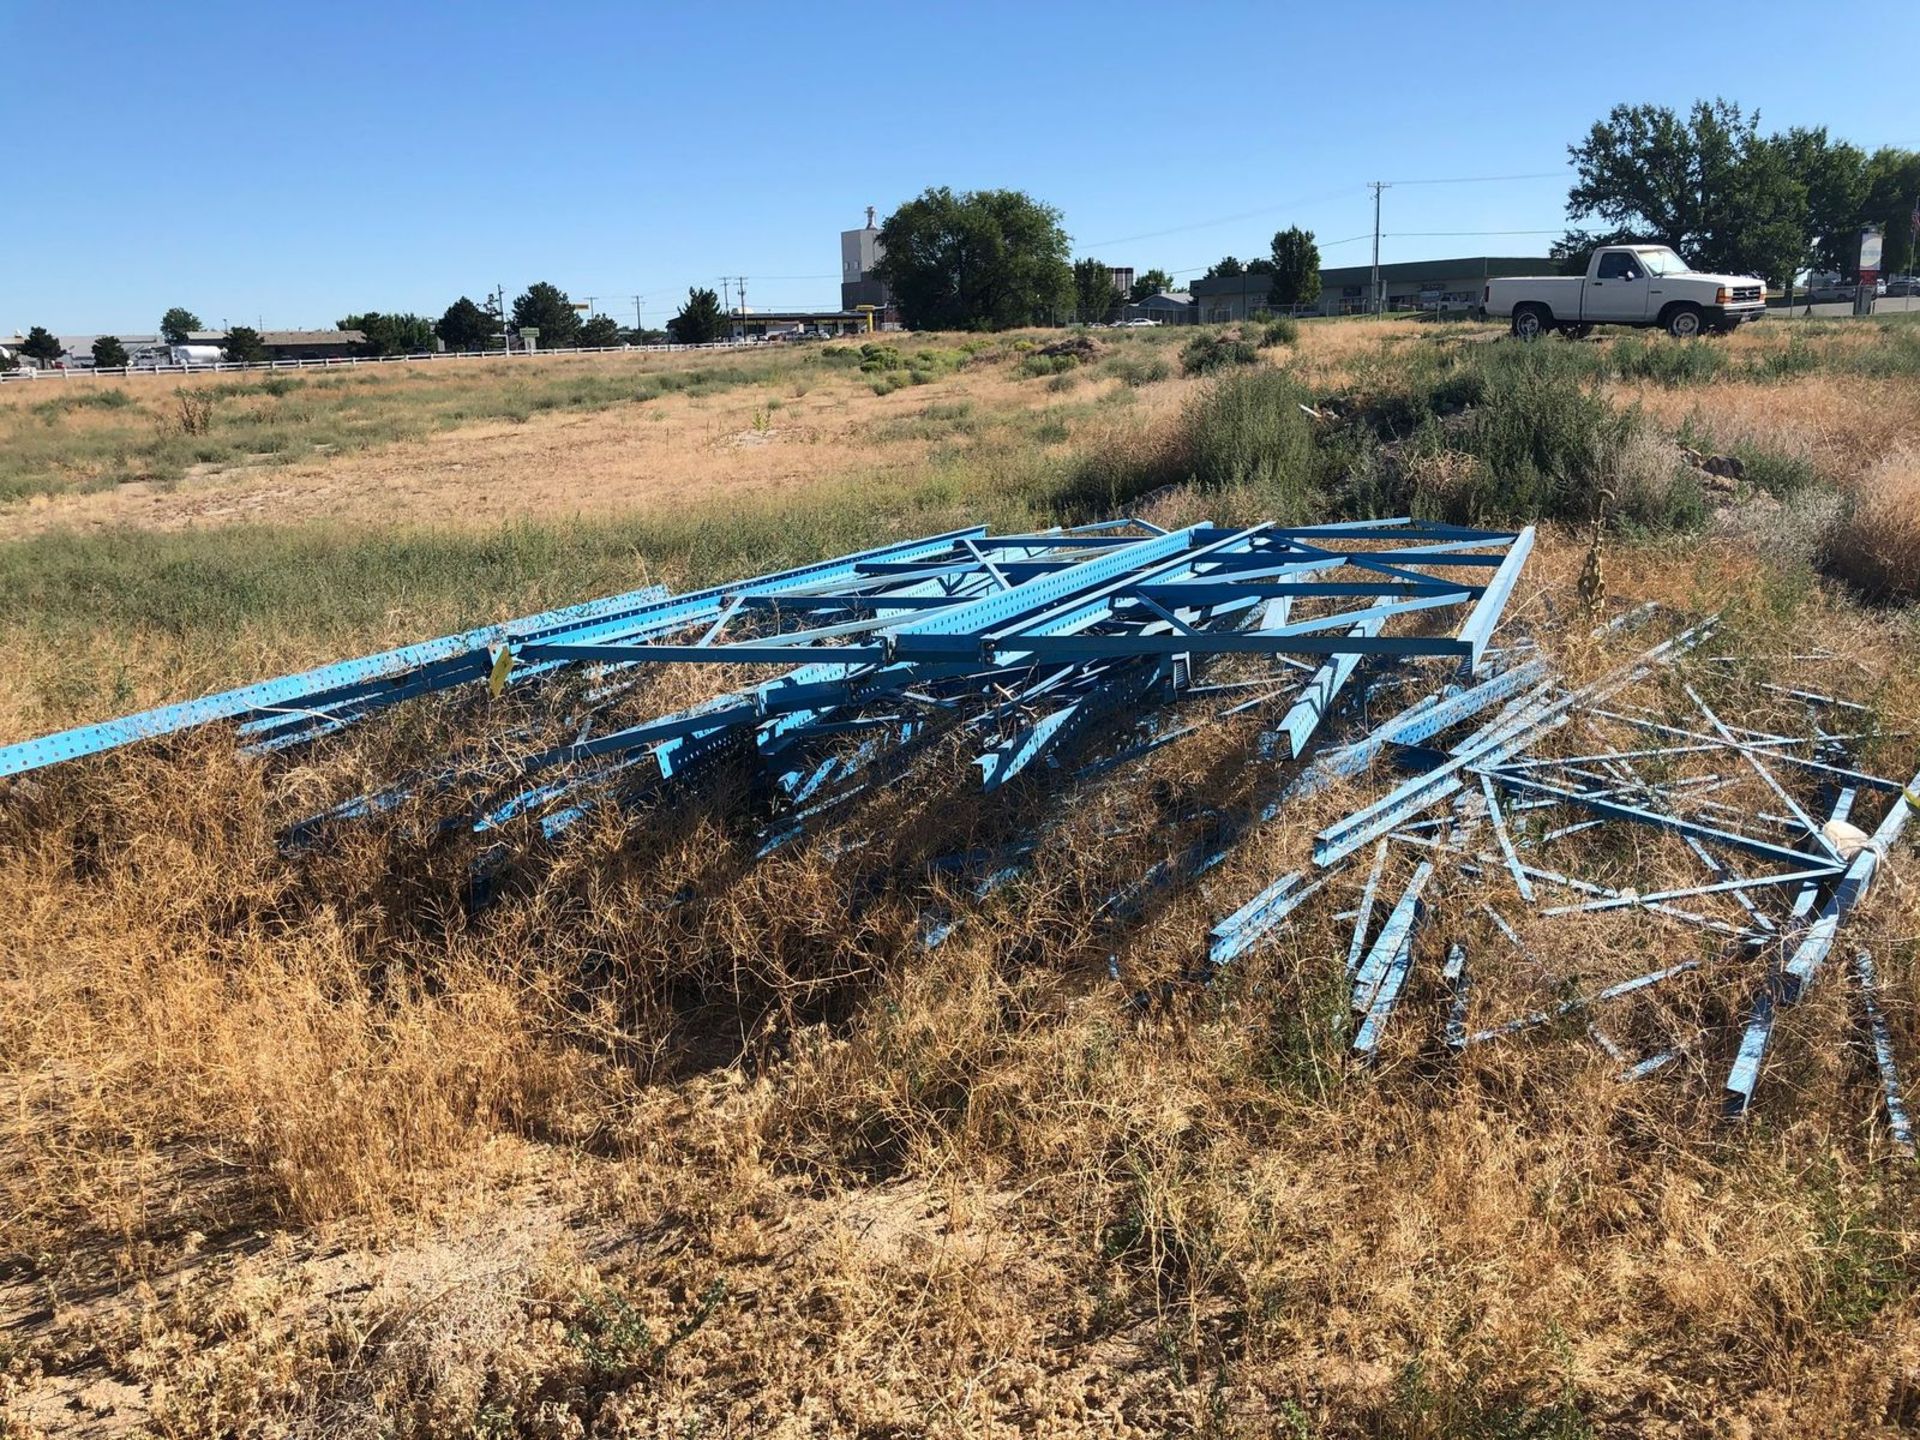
[(1662, 261)]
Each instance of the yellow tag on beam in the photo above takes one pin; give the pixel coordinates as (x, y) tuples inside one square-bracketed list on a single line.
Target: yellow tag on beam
[(502, 664)]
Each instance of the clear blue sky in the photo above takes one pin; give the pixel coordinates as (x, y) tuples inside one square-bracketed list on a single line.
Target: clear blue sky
[(291, 162)]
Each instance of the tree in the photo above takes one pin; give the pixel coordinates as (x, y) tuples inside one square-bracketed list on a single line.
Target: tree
[(1296, 268), (177, 324), (42, 346), (1893, 199), (599, 330), (109, 353), (391, 334), (1226, 268), (546, 307), (1710, 185), (699, 319), (244, 345), (1834, 174), (465, 326), (1151, 283), (1572, 253), (1094, 295), (982, 260)]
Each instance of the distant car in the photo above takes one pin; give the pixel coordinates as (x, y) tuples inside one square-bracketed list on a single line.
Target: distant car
[(1138, 324), (1828, 291), (1903, 285)]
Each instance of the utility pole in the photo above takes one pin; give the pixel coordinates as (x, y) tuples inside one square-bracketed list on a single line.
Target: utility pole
[(1373, 295), (637, 326), (738, 306)]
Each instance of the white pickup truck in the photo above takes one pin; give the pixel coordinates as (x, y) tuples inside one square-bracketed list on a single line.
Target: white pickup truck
[(1627, 285)]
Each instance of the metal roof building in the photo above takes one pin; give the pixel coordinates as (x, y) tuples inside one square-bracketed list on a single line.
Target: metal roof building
[(1405, 285)]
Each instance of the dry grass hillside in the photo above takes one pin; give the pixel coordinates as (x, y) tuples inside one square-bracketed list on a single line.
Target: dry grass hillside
[(671, 1141)]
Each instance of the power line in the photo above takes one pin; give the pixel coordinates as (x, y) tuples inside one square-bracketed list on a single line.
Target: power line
[(1433, 234), (1315, 200), (1228, 219), (1482, 179)]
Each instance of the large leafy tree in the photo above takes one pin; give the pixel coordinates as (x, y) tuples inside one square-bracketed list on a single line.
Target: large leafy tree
[(465, 326), (42, 345), (547, 307), (1834, 175), (1149, 284), (1708, 184), (244, 345), (108, 352), (699, 319), (391, 334), (1296, 268), (1227, 267), (1094, 297), (599, 330), (982, 260), (177, 324)]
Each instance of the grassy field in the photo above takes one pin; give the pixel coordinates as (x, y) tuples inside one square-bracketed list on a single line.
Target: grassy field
[(301, 1145)]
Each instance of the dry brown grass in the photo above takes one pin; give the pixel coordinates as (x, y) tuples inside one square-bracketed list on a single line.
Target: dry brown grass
[(806, 423), (668, 1140), (1876, 545), (1844, 425)]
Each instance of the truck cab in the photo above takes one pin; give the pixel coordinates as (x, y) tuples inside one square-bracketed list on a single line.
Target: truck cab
[(1642, 285)]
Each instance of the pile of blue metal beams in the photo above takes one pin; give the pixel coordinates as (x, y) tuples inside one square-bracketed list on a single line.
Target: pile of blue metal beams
[(1028, 638), (1519, 801), (1576, 806)]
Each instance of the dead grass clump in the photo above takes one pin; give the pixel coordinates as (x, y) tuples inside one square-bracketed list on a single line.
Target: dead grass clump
[(1876, 545), (193, 413), (1644, 478), (175, 986), (1792, 536)]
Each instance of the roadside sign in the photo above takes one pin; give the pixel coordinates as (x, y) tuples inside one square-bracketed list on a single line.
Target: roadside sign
[(1863, 293)]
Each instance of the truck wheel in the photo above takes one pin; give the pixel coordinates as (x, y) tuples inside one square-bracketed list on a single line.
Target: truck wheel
[(1529, 322), (1684, 322)]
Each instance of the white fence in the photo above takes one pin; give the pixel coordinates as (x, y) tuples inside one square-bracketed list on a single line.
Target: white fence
[(27, 372)]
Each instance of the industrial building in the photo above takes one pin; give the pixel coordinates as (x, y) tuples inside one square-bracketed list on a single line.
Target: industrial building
[(1167, 307), (1454, 284), (860, 251), (294, 344)]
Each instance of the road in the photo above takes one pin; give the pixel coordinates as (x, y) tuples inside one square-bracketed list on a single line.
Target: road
[(1885, 305)]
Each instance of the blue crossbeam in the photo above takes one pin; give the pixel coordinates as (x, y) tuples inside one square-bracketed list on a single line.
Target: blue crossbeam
[(300, 692)]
